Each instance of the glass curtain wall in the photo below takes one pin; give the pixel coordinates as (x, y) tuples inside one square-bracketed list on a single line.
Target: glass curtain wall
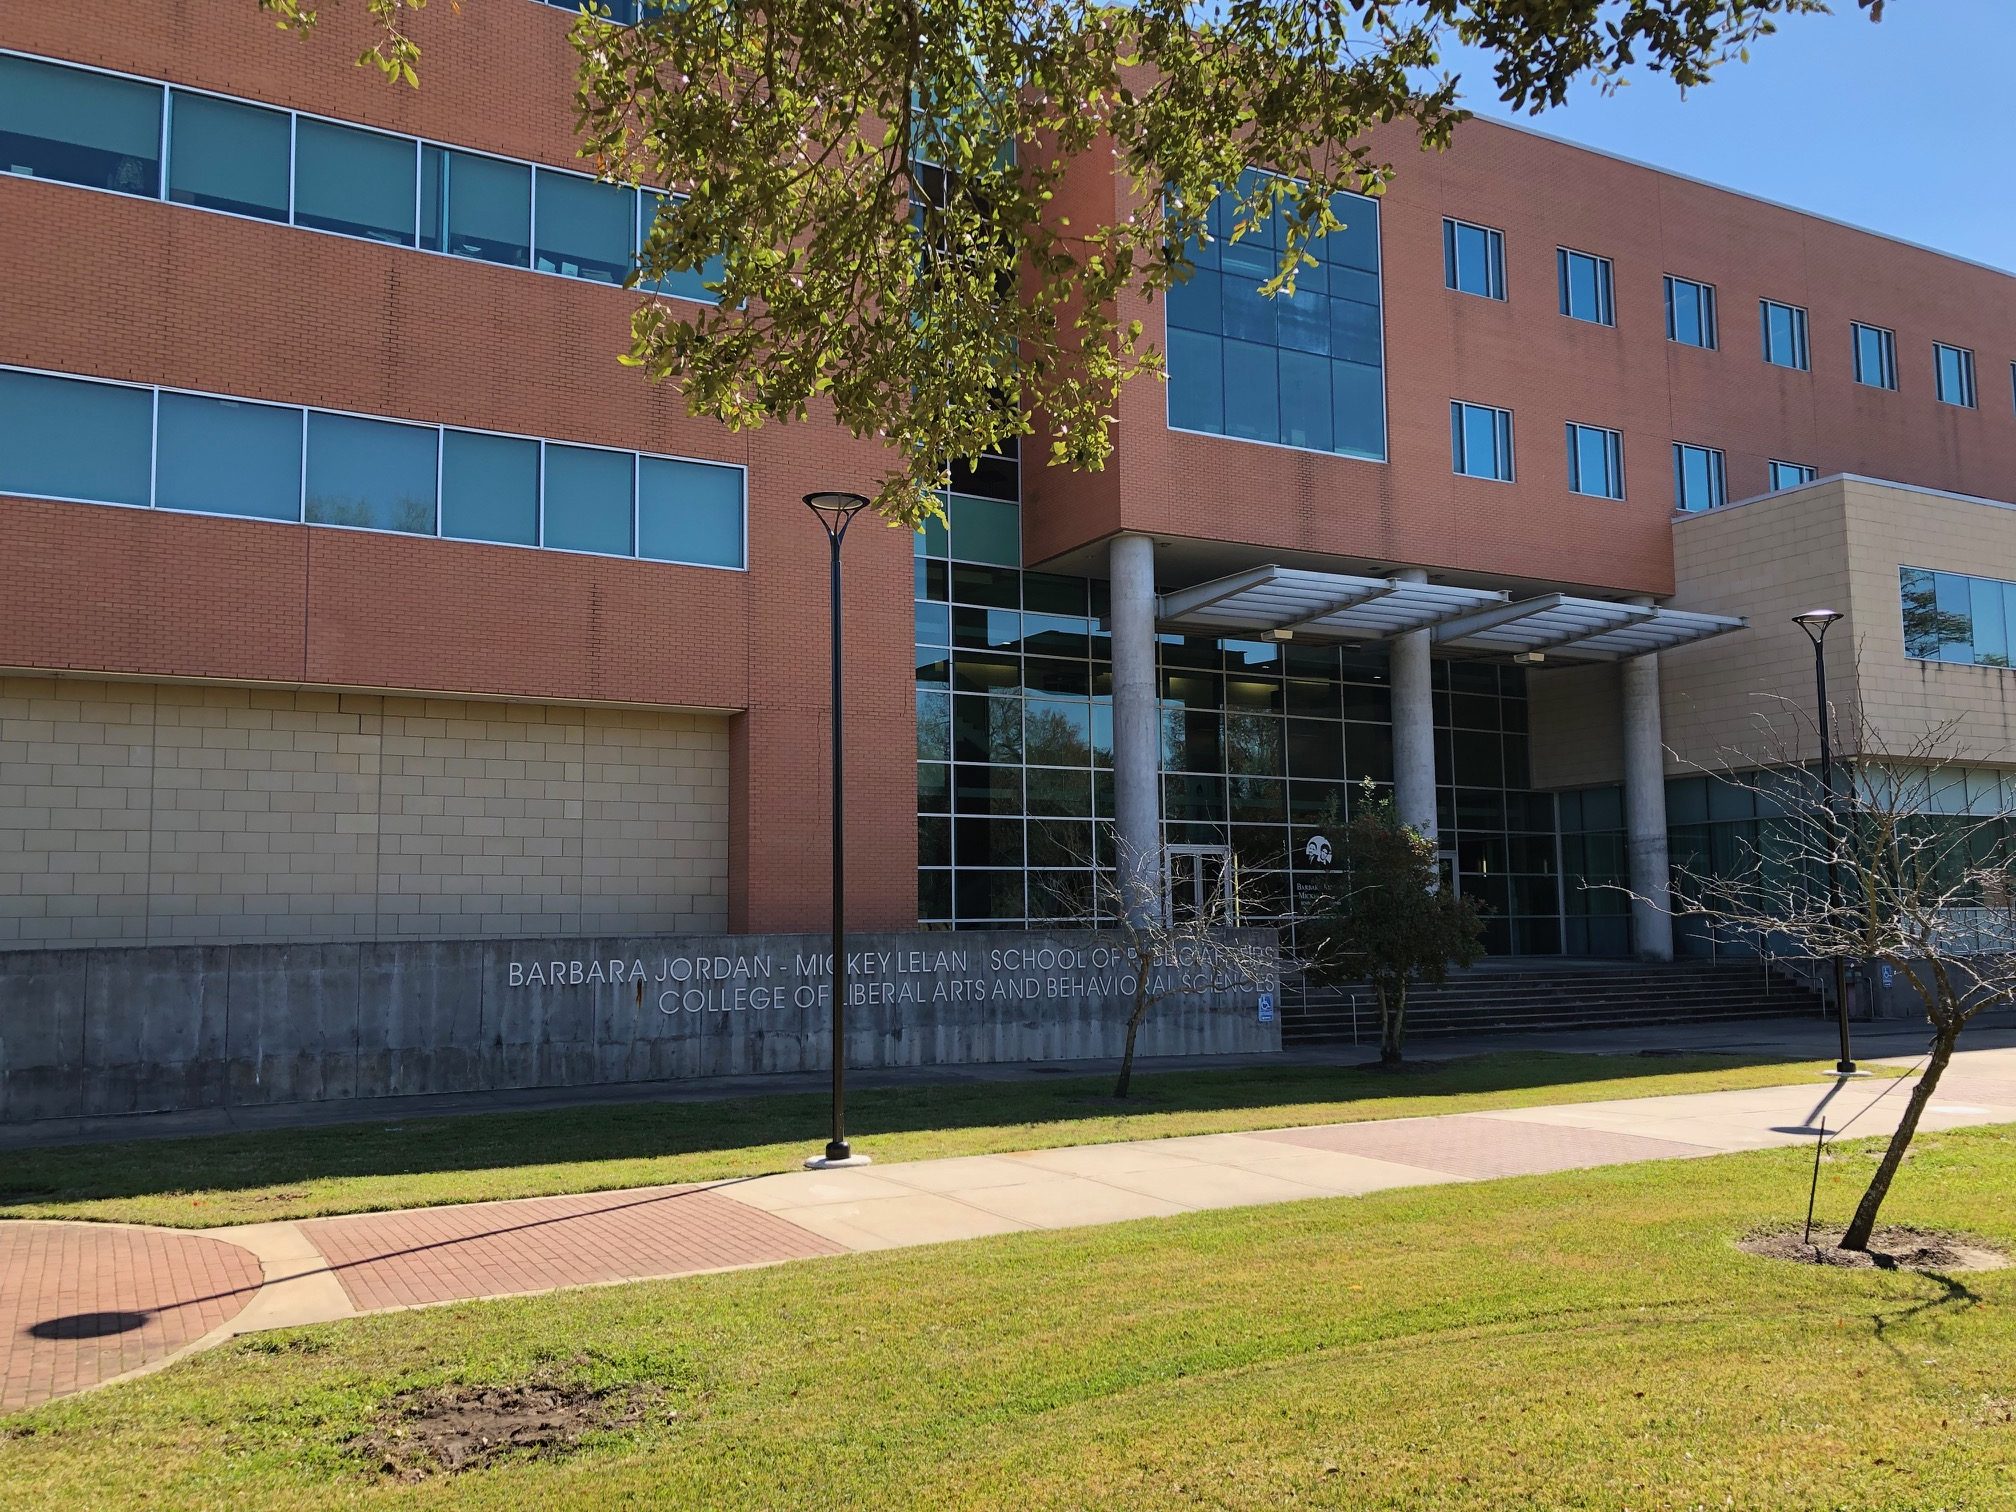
[(1263, 744)]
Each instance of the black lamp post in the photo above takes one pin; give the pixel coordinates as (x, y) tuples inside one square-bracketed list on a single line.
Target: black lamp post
[(836, 511), (1816, 623)]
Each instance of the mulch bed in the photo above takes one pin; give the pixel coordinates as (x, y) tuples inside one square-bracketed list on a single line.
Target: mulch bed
[(1890, 1248)]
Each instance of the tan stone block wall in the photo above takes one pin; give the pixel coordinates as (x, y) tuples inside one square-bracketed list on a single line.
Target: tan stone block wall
[(157, 813)]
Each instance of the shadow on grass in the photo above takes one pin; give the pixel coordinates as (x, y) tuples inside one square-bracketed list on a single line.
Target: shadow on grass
[(489, 1141)]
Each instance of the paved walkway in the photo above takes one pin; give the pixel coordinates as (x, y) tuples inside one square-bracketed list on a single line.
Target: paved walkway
[(86, 1303)]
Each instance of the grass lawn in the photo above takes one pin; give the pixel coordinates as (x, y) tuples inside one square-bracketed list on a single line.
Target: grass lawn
[(1590, 1339), (300, 1173)]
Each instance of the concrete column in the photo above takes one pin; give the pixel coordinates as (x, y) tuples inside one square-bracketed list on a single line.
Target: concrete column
[(1137, 750), (1645, 808), (1413, 723)]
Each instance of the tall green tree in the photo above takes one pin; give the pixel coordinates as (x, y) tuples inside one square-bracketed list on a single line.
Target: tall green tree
[(886, 179), (1389, 923)]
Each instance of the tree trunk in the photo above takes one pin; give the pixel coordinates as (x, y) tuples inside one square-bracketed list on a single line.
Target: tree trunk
[(1864, 1223), (1392, 1023), (1127, 1052)]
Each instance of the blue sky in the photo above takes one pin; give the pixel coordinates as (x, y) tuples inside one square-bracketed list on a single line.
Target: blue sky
[(1902, 126)]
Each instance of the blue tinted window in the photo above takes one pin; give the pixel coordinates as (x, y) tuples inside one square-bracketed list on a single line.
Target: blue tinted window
[(1595, 461), (475, 206), (689, 512), (1302, 370), (681, 283), (1473, 259), (1875, 356), (588, 500), (1790, 475), (79, 128), (1690, 312), (1697, 477), (585, 229), (359, 183), (224, 156), (1480, 441), (1784, 335), (374, 474), (489, 488), (985, 530), (1585, 287), (225, 456), (65, 439), (1954, 367)]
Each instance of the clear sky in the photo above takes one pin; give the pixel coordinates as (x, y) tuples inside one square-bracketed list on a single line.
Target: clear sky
[(1901, 126)]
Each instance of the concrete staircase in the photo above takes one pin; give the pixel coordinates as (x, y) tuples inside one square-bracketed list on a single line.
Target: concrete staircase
[(1538, 994)]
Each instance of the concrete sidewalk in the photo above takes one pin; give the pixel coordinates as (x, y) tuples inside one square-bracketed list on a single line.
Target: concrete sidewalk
[(85, 1303)]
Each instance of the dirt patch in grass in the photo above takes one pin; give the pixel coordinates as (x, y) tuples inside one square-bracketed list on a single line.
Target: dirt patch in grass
[(447, 1429), (1890, 1248)]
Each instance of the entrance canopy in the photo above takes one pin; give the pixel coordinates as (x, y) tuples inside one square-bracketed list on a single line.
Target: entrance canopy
[(1335, 606)]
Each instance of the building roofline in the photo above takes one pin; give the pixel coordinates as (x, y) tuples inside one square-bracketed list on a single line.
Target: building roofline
[(1760, 199), (1846, 477)]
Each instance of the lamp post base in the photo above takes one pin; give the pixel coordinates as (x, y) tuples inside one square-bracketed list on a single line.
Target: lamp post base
[(1846, 1068), (834, 1163)]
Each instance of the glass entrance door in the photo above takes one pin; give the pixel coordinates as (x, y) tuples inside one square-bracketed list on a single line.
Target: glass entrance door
[(1196, 881)]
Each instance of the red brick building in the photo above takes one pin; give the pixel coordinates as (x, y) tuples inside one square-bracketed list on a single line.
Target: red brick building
[(574, 682)]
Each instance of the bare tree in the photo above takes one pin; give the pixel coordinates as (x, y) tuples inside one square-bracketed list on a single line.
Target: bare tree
[(1175, 952), (1904, 865)]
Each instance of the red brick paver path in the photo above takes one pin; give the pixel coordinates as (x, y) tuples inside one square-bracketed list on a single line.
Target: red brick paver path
[(1480, 1146), (80, 1303), (497, 1248)]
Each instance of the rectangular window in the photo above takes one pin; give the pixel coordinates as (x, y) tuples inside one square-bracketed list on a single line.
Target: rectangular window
[(354, 182), (372, 474), (1875, 356), (62, 438), (1690, 312), (1304, 370), (1951, 617), (689, 512), (1784, 335), (1698, 477), (1955, 369), (1790, 475), (680, 283), (225, 456), (489, 488), (226, 156), (1595, 461), (1480, 441), (79, 128), (1585, 287), (1473, 259), (588, 500), (476, 206), (586, 229)]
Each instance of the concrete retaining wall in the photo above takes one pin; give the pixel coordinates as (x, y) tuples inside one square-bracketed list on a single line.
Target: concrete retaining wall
[(87, 1033)]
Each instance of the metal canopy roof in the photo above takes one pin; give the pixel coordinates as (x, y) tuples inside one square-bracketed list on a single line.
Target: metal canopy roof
[(1322, 605), (1334, 606)]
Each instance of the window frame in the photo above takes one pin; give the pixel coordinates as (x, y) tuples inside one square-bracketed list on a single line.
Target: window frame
[(439, 427), (1613, 459), (1502, 441), (1969, 389), (1801, 335), (1711, 328), (1494, 259), (1606, 287), (1886, 354), (1718, 477), (170, 89), (1808, 473)]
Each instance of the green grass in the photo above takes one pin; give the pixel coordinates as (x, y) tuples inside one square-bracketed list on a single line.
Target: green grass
[(418, 1162), (1590, 1339)]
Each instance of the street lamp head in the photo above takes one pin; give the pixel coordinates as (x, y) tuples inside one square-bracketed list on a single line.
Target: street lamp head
[(1816, 622), (835, 510)]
